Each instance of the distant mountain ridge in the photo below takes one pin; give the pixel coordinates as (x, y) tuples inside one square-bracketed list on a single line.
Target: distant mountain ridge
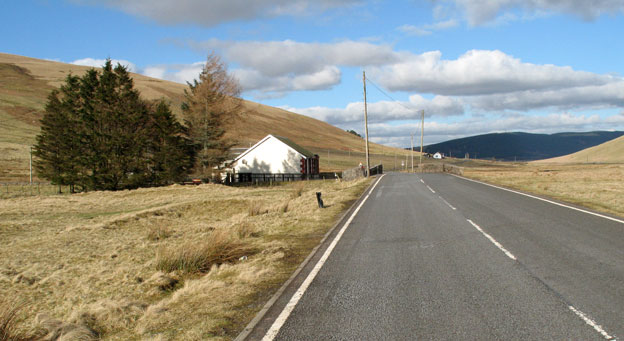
[(522, 146)]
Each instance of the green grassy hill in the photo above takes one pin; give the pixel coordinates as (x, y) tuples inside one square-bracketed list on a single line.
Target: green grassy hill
[(26, 82)]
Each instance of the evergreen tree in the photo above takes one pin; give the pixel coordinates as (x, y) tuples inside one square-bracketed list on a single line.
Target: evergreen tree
[(171, 149), (57, 149), (210, 103), (99, 134)]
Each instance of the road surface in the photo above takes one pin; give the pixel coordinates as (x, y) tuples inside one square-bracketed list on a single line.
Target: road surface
[(435, 256)]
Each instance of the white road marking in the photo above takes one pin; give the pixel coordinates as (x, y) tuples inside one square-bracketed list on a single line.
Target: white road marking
[(449, 205), (546, 200), (431, 189), (498, 245), (421, 180), (283, 316), (579, 313), (592, 323)]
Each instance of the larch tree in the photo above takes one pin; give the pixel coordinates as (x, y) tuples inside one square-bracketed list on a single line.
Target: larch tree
[(210, 103)]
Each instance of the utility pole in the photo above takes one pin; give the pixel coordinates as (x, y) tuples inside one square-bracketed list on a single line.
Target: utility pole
[(31, 166), (366, 124), (422, 133), (412, 150)]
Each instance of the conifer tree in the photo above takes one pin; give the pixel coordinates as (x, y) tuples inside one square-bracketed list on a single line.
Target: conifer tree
[(99, 134), (209, 104), (171, 149)]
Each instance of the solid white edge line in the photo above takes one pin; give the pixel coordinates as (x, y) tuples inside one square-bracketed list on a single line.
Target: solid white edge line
[(591, 322), (290, 306), (542, 199), (498, 245)]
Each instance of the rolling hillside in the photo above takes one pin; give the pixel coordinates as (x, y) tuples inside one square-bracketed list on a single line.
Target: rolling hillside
[(26, 82), (608, 152), (522, 146)]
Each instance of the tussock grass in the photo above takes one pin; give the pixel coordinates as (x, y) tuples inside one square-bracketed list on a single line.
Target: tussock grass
[(9, 315), (158, 263), (284, 207), (297, 190), (217, 249), (256, 209), (158, 232)]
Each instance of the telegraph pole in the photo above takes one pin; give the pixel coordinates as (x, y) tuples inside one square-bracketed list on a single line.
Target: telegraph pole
[(31, 167), (366, 124), (412, 151), (422, 133)]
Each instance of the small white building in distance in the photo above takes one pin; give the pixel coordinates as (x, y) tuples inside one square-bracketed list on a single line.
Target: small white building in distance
[(275, 155), (438, 156)]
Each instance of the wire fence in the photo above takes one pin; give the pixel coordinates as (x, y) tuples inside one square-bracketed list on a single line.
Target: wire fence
[(18, 189)]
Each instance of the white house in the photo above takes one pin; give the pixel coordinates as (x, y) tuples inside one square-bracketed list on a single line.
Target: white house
[(276, 155), (438, 156)]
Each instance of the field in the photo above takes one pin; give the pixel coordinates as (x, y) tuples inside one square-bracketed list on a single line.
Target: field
[(179, 262), (597, 186)]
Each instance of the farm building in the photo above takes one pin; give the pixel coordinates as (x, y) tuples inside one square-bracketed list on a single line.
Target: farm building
[(275, 158), (438, 156)]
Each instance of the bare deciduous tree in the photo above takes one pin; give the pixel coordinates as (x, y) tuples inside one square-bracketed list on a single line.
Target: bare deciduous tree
[(210, 103)]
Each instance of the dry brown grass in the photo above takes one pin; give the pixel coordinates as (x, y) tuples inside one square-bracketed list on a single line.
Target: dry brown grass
[(218, 248), (600, 187), (608, 152), (9, 315), (26, 82), (91, 264)]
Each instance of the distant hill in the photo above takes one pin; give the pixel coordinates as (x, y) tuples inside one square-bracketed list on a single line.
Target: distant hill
[(608, 152), (26, 82), (522, 146)]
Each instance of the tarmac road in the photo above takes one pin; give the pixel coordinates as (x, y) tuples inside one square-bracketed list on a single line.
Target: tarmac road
[(434, 256)]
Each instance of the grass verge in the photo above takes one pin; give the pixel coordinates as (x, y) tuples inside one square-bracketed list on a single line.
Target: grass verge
[(174, 263), (596, 186)]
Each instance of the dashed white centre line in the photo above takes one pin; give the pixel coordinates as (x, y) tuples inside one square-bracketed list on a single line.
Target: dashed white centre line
[(423, 181), (592, 323), (447, 203), (431, 189), (498, 245)]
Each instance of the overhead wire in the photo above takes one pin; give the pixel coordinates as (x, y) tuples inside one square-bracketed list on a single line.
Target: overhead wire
[(394, 100)]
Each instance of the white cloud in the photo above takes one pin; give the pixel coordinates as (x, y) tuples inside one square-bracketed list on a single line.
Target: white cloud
[(98, 63), (482, 12), (276, 58), (215, 12), (479, 72), (428, 29), (256, 82), (399, 135), (382, 111), (274, 67), (596, 97)]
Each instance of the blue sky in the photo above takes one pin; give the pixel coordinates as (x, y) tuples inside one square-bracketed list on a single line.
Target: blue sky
[(475, 67)]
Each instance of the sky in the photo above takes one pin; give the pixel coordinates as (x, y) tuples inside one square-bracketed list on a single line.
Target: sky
[(474, 67)]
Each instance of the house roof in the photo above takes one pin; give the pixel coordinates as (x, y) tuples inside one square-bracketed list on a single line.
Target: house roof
[(295, 146), (282, 139)]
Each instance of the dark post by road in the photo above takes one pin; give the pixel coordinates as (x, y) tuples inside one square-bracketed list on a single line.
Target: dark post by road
[(319, 200)]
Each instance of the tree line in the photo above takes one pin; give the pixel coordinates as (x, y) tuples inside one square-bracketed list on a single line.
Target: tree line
[(97, 132)]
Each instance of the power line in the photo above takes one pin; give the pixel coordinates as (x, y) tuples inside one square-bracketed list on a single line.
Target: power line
[(390, 97), (418, 125)]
